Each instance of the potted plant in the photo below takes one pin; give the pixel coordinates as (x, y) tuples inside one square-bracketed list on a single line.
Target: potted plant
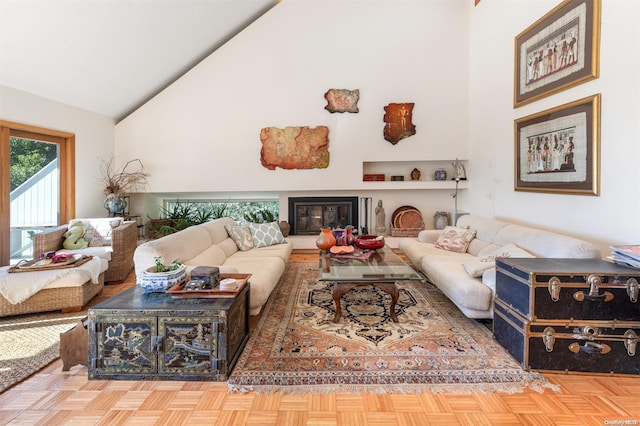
[(161, 277), (117, 182)]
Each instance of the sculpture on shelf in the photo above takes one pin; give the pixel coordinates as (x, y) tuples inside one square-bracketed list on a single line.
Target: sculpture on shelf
[(398, 122), (461, 174), (381, 228), (415, 174)]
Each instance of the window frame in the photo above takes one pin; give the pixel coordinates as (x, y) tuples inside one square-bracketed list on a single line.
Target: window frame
[(66, 160)]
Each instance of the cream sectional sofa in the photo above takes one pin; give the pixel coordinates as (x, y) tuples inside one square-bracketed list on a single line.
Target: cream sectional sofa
[(474, 295), (209, 244)]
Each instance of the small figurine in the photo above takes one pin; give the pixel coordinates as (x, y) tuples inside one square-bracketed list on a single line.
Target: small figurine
[(415, 174), (381, 228), (461, 174)]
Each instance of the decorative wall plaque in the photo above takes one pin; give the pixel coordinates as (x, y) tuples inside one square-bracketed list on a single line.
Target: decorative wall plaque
[(398, 118), (295, 147), (342, 100)]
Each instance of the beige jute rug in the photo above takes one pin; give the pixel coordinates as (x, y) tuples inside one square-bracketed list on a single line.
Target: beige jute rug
[(29, 343)]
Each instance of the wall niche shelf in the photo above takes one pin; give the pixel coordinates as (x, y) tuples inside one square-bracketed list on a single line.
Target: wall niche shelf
[(404, 168)]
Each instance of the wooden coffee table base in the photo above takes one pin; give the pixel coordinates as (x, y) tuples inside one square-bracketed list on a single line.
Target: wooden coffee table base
[(340, 288)]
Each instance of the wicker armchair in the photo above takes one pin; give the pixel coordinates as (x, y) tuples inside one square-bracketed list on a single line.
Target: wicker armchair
[(124, 239)]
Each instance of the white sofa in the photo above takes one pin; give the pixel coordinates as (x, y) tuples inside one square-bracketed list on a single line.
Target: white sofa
[(474, 296), (209, 244)]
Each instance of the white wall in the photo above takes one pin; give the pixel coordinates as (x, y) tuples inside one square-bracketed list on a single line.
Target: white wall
[(614, 216), (94, 139), (201, 135)]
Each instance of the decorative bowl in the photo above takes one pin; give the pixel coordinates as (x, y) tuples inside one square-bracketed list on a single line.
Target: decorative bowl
[(152, 281), (371, 242), (341, 249)]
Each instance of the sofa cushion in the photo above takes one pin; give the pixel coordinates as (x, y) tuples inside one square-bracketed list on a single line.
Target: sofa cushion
[(448, 274), (486, 229), (211, 256), (266, 273), (216, 228), (241, 235), (282, 251), (477, 266), (266, 234), (455, 239), (546, 244)]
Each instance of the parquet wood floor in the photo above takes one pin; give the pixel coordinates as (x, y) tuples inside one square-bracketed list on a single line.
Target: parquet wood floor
[(54, 397)]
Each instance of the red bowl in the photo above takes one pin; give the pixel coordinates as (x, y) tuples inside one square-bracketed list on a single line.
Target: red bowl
[(370, 242)]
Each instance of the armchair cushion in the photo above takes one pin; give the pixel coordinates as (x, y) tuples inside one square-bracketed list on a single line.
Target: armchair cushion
[(98, 231), (103, 252)]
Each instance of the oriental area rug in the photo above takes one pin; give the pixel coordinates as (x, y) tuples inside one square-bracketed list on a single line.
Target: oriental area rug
[(297, 348)]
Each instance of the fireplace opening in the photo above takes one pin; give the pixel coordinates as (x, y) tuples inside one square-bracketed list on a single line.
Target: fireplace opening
[(308, 214)]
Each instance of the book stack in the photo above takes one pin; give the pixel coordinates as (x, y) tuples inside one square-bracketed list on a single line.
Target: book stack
[(626, 255)]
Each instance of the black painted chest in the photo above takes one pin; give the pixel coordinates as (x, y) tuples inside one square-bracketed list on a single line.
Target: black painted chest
[(138, 335)]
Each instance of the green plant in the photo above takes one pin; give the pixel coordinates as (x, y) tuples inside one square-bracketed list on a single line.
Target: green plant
[(161, 267), (260, 216), (180, 215)]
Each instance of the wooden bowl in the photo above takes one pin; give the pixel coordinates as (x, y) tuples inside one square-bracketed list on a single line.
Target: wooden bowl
[(370, 242)]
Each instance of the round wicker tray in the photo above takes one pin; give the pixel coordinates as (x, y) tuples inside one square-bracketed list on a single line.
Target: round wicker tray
[(407, 217)]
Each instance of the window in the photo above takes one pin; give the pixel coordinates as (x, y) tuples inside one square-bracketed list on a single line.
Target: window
[(37, 171)]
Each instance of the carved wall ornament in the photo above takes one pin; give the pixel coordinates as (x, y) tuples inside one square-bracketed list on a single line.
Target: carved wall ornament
[(295, 147), (398, 122), (342, 100)]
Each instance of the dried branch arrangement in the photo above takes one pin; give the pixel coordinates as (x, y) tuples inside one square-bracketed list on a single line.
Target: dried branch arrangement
[(130, 177)]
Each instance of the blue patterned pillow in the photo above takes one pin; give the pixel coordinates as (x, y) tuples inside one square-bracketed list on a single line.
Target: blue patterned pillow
[(266, 234)]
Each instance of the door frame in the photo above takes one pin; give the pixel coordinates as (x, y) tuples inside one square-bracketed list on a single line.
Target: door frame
[(66, 159)]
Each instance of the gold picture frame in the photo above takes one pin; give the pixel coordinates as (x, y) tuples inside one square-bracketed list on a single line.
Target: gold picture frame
[(558, 51), (558, 150)]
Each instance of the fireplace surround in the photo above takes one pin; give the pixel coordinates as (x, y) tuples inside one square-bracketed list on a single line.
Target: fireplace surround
[(308, 214)]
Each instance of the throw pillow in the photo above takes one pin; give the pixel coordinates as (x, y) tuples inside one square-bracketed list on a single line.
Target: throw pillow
[(476, 267), (455, 239), (241, 235), (266, 234), (73, 238)]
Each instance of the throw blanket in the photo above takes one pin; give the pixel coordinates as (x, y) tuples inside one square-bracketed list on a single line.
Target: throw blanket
[(19, 286)]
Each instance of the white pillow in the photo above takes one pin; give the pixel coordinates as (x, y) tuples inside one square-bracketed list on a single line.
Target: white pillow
[(477, 266)]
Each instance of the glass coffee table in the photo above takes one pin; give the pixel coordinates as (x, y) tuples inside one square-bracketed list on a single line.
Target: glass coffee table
[(382, 268)]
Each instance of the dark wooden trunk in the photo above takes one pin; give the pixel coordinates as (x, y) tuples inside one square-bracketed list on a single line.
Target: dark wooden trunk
[(572, 315), (588, 289), (137, 335), (572, 346)]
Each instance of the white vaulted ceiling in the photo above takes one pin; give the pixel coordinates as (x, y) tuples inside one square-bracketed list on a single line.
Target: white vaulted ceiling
[(110, 56)]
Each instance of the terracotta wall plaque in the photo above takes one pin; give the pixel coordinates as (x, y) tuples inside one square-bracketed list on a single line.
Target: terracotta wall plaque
[(398, 122), (342, 100), (295, 147)]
